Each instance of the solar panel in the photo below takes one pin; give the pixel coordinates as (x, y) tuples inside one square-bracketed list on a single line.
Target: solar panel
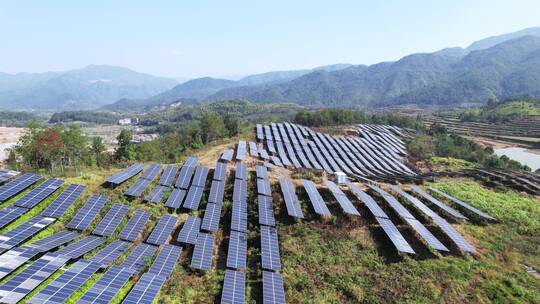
[(23, 232), (368, 201), (240, 191), (262, 172), (202, 254), (138, 187), (146, 289), (134, 226), (430, 239), (190, 230), (239, 216), (341, 198), (395, 236), (193, 198), (212, 215), (162, 230), (9, 214), (156, 195), (62, 203), (263, 187), (253, 149), (266, 211), (241, 150), (166, 260), (111, 252), (393, 202), (454, 235), (237, 254), (234, 287), (464, 205), (175, 198), (61, 289), (316, 199), (260, 132), (125, 174), (217, 190), (151, 172), (227, 155), (107, 286), (39, 193), (139, 256), (184, 177), (81, 247), (111, 220), (20, 285), (241, 171), (88, 212), (6, 174), (273, 290), (453, 212), (290, 198), (17, 185), (52, 241), (15, 258), (168, 175), (199, 180), (220, 172), (270, 248), (263, 153), (191, 161)]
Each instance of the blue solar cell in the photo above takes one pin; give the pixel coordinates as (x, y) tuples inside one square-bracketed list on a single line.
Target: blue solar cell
[(125, 174), (108, 285), (166, 260), (81, 247), (184, 177), (263, 187), (262, 172), (151, 172), (190, 230), (273, 290), (270, 248), (217, 191), (6, 175), (193, 198), (241, 171), (341, 198), (202, 254), (212, 215), (199, 179), (236, 256), (9, 214), (168, 176), (139, 256), (291, 200), (88, 212), (15, 258), (111, 220), (176, 198), (266, 211), (134, 226), (234, 287), (39, 193), (138, 187), (145, 290), (162, 230), (316, 199), (52, 241), (220, 172), (111, 252), (156, 195), (191, 161), (62, 203), (240, 191), (239, 217), (61, 289), (17, 185), (227, 155), (23, 232)]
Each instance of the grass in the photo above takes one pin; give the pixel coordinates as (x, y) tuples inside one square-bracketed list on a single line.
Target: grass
[(450, 163)]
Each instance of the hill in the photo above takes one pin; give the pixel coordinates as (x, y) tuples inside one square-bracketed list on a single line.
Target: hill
[(85, 88)]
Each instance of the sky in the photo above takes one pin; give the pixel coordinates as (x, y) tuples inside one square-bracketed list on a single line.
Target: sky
[(230, 38)]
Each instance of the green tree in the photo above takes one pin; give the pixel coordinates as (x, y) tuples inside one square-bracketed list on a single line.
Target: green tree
[(212, 127), (97, 148), (125, 149)]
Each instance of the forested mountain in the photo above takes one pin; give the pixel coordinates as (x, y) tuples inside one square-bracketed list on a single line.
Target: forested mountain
[(85, 88)]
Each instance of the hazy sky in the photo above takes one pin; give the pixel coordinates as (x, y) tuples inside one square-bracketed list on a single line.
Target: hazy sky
[(200, 38)]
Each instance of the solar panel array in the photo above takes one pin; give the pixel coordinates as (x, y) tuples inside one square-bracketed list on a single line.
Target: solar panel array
[(17, 185), (110, 253), (111, 220), (14, 258), (9, 214), (201, 174), (184, 177), (146, 289), (227, 155), (104, 290), (202, 254), (176, 198), (190, 230), (62, 203), (156, 195), (239, 206), (263, 186), (319, 205), (125, 174), (217, 191), (162, 230), (134, 226), (138, 187), (234, 287), (23, 232), (166, 260), (262, 172), (53, 241), (81, 247), (241, 171), (151, 172), (220, 172), (380, 216), (270, 249), (273, 290), (88, 212), (61, 289), (193, 198), (291, 200), (6, 175), (39, 193), (449, 210), (341, 198), (266, 212), (167, 177), (253, 151), (241, 150), (138, 257), (20, 285), (237, 253), (211, 218), (464, 205)]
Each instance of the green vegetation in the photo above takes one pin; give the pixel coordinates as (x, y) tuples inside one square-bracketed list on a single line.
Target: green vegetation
[(451, 163), (496, 112), (85, 116), (17, 119), (437, 142)]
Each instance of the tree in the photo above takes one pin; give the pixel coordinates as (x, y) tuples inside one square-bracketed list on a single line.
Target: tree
[(212, 127), (125, 149), (75, 144), (97, 148), (48, 147), (232, 124)]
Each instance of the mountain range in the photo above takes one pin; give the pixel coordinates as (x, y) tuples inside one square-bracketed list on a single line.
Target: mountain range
[(493, 68)]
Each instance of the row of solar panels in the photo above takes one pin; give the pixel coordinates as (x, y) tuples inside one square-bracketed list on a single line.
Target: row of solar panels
[(301, 147)]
